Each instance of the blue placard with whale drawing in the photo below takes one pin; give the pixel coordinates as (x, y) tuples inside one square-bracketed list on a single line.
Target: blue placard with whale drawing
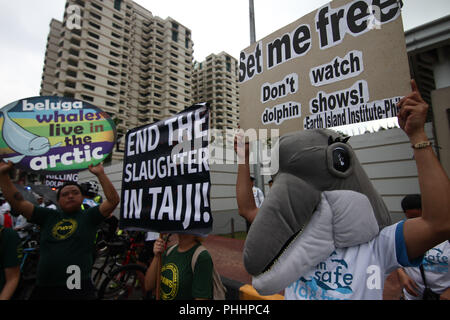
[(49, 134)]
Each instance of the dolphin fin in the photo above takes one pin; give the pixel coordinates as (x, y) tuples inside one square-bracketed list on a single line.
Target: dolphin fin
[(9, 106), (15, 159)]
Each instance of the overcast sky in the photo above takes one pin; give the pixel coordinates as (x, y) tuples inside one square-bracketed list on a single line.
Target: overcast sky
[(216, 26)]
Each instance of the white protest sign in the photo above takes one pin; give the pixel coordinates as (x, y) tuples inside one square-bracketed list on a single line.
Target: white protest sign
[(344, 63)]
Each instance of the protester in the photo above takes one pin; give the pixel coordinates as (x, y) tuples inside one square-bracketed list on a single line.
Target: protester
[(178, 281), (49, 204), (67, 235), (21, 225), (91, 197), (10, 258), (40, 200), (6, 219), (359, 271), (434, 264), (146, 255)]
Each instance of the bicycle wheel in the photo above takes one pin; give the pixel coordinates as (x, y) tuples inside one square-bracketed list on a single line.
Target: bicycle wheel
[(101, 269), (125, 283)]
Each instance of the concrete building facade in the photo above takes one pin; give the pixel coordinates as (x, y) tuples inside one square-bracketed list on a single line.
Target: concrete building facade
[(121, 58), (215, 80), (428, 48)]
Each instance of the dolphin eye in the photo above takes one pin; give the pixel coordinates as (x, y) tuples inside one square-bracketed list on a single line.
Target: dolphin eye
[(341, 159)]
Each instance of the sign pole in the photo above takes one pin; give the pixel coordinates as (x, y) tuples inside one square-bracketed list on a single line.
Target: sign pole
[(256, 168), (252, 22)]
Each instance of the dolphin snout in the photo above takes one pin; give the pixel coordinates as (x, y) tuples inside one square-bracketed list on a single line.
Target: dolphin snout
[(38, 146)]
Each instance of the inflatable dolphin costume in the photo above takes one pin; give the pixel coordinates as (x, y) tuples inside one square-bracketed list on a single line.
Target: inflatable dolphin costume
[(321, 200)]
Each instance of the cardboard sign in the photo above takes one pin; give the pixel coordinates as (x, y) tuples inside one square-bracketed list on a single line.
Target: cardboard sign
[(54, 134), (344, 63), (166, 180)]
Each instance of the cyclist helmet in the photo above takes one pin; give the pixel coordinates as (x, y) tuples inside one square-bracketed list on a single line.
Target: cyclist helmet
[(91, 188)]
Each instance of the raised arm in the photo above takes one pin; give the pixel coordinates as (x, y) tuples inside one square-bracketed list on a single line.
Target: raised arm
[(244, 193), (433, 227), (112, 197), (11, 194)]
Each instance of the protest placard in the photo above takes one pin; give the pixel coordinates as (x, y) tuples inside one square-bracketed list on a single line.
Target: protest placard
[(344, 63), (49, 134), (166, 180), (57, 180)]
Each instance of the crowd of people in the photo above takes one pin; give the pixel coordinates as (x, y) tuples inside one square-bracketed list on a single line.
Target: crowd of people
[(418, 247)]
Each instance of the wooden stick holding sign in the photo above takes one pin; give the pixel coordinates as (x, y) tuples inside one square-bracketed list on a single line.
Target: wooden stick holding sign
[(165, 238), (158, 273)]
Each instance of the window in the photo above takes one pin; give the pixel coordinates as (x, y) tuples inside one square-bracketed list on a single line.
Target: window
[(94, 25), (90, 65), (96, 6), (87, 98), (117, 4), (91, 55), (93, 45), (74, 52), (175, 35), (70, 84), (93, 35), (71, 73), (96, 16), (88, 86), (89, 76)]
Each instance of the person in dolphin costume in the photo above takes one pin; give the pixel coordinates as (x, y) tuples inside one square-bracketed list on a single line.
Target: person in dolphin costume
[(20, 140), (323, 232)]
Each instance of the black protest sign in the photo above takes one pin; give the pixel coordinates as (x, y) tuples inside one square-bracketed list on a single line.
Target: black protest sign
[(166, 180)]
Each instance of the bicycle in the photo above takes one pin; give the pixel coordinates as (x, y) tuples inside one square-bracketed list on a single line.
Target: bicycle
[(28, 265), (108, 259), (126, 281)]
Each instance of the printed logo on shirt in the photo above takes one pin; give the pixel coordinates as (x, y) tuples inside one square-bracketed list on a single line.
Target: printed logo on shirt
[(326, 279), (169, 281), (64, 229), (436, 261)]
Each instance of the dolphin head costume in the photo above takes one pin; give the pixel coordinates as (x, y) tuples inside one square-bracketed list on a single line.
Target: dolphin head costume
[(321, 199)]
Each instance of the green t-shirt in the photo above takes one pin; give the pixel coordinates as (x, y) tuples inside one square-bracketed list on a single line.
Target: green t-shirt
[(177, 280), (10, 253), (66, 240)]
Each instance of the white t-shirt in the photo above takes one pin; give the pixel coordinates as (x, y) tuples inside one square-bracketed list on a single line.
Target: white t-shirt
[(355, 273), (435, 266), (4, 208)]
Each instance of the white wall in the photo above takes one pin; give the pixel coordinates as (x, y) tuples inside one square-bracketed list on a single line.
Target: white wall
[(386, 156)]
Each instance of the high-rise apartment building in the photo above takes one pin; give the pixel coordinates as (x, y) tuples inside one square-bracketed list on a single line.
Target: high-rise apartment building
[(118, 56), (215, 80)]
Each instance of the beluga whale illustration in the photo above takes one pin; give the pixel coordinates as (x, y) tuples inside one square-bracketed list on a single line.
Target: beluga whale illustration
[(21, 140)]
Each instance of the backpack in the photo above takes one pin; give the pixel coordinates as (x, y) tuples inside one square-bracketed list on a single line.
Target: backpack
[(219, 289)]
